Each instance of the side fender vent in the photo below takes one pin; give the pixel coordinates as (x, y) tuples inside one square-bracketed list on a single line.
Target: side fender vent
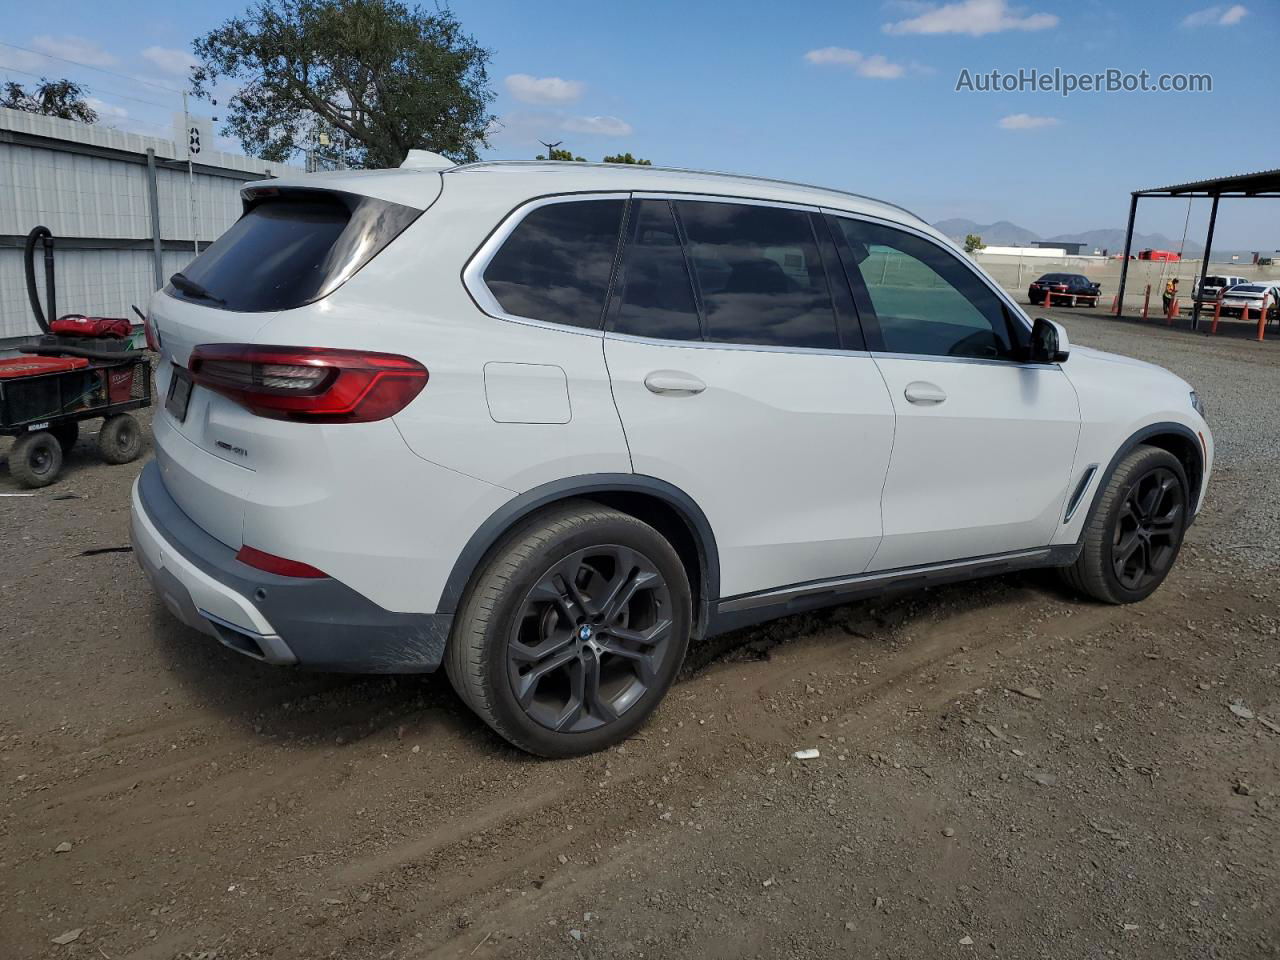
[(1076, 498)]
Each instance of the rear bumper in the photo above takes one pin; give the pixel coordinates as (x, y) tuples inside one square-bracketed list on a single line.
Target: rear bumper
[(316, 624)]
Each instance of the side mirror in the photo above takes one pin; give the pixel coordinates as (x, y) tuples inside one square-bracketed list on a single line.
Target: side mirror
[(1049, 342)]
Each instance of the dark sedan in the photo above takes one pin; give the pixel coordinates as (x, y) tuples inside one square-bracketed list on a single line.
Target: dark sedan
[(1058, 289)]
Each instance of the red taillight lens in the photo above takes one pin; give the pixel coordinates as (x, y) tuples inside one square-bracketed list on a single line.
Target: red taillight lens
[(280, 566), (311, 384), (149, 329)]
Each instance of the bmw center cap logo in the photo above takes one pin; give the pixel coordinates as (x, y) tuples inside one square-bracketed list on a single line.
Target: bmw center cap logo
[(584, 632)]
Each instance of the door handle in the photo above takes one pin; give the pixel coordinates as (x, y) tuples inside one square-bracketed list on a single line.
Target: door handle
[(673, 383), (925, 394)]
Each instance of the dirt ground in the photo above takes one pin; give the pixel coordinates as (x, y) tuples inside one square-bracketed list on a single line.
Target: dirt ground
[(1005, 771)]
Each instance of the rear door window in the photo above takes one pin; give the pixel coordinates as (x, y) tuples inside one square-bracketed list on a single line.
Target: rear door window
[(655, 297), (760, 274), (556, 263), (290, 249)]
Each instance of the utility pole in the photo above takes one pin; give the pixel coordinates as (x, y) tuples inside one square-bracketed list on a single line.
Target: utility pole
[(192, 143)]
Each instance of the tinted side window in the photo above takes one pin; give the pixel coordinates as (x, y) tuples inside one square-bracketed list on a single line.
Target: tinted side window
[(655, 297), (924, 301), (760, 274), (555, 265)]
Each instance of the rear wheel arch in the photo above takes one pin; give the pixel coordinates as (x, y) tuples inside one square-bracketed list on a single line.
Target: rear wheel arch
[(662, 505)]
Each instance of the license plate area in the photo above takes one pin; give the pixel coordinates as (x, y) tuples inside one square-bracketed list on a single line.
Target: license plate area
[(179, 396)]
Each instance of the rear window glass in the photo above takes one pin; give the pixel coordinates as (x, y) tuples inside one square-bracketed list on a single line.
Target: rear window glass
[(761, 276), (290, 250), (555, 266), (1215, 281)]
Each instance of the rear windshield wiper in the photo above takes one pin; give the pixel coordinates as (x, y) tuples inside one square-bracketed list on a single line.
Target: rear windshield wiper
[(187, 285)]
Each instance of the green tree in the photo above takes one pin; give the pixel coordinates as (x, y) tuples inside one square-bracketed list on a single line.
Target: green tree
[(973, 243), (626, 158), (554, 153), (52, 98), (376, 77)]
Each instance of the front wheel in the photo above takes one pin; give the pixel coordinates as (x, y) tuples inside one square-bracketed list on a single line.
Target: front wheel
[(1134, 535), (573, 632)]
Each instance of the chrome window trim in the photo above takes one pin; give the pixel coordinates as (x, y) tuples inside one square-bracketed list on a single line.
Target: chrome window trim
[(985, 361), (473, 271), (719, 345), (996, 289)]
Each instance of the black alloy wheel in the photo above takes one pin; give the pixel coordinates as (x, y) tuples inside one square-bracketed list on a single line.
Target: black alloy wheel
[(1148, 529), (1134, 528), (590, 638), (572, 632)]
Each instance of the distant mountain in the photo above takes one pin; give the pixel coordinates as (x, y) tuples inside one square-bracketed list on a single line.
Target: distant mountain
[(1113, 240), (1003, 233)]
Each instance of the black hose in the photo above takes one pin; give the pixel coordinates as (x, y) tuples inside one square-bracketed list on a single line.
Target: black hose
[(53, 350), (28, 253)]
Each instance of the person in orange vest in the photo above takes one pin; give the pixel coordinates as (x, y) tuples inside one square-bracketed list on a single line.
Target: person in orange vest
[(1170, 293)]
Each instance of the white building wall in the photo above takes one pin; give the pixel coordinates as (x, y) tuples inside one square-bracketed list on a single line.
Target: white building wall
[(82, 197)]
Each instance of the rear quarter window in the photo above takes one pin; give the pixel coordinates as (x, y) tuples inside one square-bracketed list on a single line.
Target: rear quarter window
[(290, 249), (555, 264)]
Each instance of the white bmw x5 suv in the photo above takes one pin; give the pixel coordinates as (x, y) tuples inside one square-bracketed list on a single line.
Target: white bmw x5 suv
[(548, 423)]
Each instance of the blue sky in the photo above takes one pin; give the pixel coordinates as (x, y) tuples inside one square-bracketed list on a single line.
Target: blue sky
[(858, 96)]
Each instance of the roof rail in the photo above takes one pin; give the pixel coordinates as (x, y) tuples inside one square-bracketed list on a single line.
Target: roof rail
[(704, 173)]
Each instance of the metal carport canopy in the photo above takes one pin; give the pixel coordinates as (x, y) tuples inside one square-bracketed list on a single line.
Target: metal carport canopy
[(1263, 183)]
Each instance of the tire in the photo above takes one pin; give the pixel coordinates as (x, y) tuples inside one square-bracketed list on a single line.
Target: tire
[(1119, 563), (66, 433), (537, 619), (35, 460), (120, 439)]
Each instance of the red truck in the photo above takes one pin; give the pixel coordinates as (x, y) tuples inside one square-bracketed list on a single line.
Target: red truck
[(1158, 255)]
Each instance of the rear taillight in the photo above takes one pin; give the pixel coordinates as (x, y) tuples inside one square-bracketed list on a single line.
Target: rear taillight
[(311, 384), (153, 337), (261, 560)]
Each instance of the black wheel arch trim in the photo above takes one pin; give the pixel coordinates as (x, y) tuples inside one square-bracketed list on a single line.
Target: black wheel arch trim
[(502, 520), (1137, 439)]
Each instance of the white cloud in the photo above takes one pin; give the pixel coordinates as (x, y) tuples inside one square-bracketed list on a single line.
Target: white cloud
[(21, 60), (603, 126), (1216, 16), (107, 112), (1025, 121), (173, 61), (545, 90), (876, 65), (837, 55), (77, 49), (974, 18)]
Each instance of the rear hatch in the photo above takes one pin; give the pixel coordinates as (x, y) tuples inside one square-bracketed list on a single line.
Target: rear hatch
[(291, 248)]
